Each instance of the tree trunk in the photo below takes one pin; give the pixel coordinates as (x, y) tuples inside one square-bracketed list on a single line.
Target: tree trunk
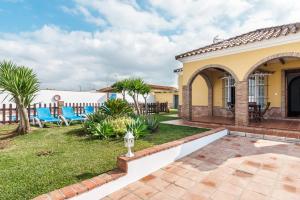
[(146, 105), (24, 124), (136, 104), (123, 94)]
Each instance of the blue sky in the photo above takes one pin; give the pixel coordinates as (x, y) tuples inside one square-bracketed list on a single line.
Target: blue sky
[(89, 44), (29, 15)]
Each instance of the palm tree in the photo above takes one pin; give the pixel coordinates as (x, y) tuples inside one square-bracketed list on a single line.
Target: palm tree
[(22, 84), (146, 89), (134, 88), (120, 87)]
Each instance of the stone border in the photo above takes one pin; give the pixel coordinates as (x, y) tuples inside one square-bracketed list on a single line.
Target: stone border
[(111, 181), (81, 187), (293, 139), (258, 132)]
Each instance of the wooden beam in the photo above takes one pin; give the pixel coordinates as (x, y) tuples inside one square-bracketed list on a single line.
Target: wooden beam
[(282, 61)]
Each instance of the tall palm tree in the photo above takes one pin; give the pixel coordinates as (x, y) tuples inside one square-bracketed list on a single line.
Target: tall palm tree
[(22, 84), (120, 87), (146, 89), (134, 88)]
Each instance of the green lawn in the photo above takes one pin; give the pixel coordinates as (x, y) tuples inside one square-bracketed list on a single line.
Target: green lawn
[(51, 158)]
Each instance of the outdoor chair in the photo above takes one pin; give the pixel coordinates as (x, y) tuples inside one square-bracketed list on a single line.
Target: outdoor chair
[(265, 110), (31, 119), (68, 116), (88, 110), (254, 111), (231, 107), (44, 116)]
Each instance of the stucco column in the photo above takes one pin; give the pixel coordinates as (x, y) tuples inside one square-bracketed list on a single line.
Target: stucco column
[(241, 105), (186, 110)]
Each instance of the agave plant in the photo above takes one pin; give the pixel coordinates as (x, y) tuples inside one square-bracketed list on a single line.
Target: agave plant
[(137, 127), (22, 84), (103, 130), (152, 123)]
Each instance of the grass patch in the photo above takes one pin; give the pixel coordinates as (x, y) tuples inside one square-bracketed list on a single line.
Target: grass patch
[(51, 158)]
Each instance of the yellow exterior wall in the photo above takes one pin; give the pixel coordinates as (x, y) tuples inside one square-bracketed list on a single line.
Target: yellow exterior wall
[(274, 88), (239, 63), (180, 88), (218, 93), (165, 97), (199, 92), (274, 91)]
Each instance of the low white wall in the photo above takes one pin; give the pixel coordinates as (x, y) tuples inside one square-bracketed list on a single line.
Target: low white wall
[(150, 98), (142, 167), (46, 96)]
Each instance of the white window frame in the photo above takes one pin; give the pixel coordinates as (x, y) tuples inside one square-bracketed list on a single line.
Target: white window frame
[(229, 83), (257, 83)]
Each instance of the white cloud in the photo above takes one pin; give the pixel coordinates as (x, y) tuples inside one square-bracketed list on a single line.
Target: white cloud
[(90, 18), (66, 60), (136, 41), (126, 15)]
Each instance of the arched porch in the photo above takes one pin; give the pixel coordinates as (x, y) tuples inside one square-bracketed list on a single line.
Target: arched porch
[(272, 84), (208, 95), (272, 87)]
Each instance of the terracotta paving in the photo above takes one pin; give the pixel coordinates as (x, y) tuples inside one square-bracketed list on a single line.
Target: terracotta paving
[(232, 168), (278, 124), (287, 124), (288, 129), (216, 120)]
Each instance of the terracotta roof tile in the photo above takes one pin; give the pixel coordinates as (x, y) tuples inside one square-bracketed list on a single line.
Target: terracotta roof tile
[(250, 37), (153, 87)]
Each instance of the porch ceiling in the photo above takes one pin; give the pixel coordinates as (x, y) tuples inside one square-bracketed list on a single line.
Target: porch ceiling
[(282, 61)]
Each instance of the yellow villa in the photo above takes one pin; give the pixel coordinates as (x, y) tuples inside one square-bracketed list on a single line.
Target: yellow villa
[(253, 77), (159, 93)]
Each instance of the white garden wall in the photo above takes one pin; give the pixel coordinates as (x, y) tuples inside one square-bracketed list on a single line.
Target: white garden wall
[(144, 166), (46, 96)]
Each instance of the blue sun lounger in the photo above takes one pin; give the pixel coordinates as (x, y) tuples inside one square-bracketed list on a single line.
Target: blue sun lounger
[(88, 110), (69, 116), (44, 116)]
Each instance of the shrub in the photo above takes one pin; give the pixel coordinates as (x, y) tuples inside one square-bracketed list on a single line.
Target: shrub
[(113, 119), (97, 117), (119, 125), (152, 123), (137, 127), (116, 108), (108, 128), (102, 130)]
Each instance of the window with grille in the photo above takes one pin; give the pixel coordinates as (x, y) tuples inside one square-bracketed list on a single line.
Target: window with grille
[(258, 89), (229, 90)]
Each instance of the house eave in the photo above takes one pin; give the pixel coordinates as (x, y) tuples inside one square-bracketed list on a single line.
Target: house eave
[(243, 48)]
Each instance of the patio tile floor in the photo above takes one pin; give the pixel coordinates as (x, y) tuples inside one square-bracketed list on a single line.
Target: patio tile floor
[(285, 130), (237, 168)]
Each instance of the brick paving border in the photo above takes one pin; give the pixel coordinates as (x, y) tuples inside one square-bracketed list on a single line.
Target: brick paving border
[(255, 132)]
